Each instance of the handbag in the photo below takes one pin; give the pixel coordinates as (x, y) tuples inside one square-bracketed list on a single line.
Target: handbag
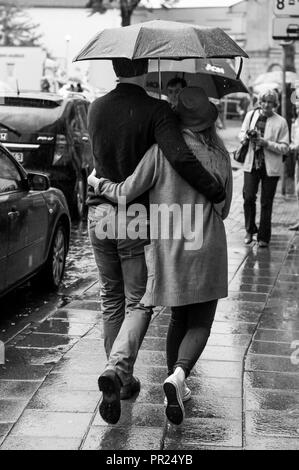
[(239, 155)]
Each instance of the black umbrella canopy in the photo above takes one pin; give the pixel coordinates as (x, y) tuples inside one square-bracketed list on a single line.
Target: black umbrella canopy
[(159, 39), (216, 76)]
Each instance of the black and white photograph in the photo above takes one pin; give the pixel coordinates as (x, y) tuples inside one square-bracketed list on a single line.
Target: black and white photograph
[(149, 228)]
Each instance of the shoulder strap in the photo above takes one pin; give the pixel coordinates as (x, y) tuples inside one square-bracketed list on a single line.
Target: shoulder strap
[(251, 117)]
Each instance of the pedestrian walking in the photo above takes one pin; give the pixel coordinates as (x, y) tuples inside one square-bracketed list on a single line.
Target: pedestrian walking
[(294, 147), (268, 137), (173, 88), (186, 273), (122, 126)]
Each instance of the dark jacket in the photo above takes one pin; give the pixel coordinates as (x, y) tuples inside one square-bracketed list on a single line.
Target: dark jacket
[(124, 124)]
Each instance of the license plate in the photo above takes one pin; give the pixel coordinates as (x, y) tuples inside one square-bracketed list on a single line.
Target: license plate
[(19, 156)]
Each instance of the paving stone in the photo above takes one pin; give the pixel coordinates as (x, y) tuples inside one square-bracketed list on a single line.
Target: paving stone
[(272, 380), (254, 442), (48, 341), (271, 349), (232, 340), (134, 414), (238, 286), (4, 430), (77, 315), (225, 353), (123, 438), (58, 398), (35, 423), (256, 362), (233, 327), (36, 443), (260, 399), (198, 431), (255, 280), (62, 327), (272, 423), (214, 387), (18, 389), (278, 336), (218, 369), (72, 381), (10, 410), (277, 323), (209, 406)]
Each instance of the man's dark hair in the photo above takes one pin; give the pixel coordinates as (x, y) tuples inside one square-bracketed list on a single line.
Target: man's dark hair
[(176, 81), (128, 68)]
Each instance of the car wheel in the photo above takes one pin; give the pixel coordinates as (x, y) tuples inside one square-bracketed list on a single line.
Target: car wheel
[(52, 273), (80, 197)]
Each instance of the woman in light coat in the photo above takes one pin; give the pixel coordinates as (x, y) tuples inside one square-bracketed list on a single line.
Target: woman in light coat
[(268, 137), (187, 256)]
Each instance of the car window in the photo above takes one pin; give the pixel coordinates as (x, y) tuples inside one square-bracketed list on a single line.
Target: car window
[(10, 178)]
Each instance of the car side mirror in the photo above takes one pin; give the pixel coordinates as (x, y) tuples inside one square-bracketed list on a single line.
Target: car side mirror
[(38, 182)]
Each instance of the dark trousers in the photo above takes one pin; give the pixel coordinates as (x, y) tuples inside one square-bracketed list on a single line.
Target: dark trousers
[(250, 189), (188, 332)]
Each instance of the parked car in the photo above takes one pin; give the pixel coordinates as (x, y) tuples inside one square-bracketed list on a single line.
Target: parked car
[(34, 227), (47, 132)]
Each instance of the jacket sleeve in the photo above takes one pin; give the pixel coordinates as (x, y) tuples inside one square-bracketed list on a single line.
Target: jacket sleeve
[(245, 126), (223, 207), (173, 146), (281, 146), (229, 192), (143, 178)]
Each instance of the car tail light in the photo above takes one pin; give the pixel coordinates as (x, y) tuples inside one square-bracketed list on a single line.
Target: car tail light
[(60, 149)]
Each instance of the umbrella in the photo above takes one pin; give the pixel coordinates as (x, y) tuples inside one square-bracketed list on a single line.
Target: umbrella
[(159, 39), (216, 77), (275, 77)]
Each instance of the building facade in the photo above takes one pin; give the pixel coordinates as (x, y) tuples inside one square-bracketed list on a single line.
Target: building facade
[(67, 25)]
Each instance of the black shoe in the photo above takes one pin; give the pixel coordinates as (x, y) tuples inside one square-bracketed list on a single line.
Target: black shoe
[(127, 391), (263, 244), (294, 227), (110, 384), (248, 238)]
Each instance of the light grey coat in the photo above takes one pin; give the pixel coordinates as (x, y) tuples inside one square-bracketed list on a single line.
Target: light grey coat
[(190, 265)]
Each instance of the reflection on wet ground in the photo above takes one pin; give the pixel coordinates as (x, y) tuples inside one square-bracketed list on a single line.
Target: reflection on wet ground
[(245, 387), (27, 305)]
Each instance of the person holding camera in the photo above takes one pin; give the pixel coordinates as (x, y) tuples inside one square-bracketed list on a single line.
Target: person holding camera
[(268, 137)]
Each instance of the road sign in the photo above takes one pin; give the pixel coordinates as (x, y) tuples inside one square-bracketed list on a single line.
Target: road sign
[(285, 28), (286, 8)]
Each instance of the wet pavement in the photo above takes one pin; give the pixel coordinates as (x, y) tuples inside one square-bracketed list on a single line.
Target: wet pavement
[(245, 387)]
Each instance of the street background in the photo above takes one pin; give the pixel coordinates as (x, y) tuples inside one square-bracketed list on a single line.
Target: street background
[(245, 387)]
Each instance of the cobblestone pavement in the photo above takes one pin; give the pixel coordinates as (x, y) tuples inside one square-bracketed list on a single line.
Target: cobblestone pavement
[(245, 387)]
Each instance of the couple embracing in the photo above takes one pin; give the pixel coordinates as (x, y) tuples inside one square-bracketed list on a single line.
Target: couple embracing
[(149, 156)]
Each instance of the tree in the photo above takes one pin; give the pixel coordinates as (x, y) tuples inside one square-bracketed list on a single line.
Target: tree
[(16, 28), (126, 7)]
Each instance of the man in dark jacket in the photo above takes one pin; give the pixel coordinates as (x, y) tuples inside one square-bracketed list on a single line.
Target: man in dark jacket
[(122, 126)]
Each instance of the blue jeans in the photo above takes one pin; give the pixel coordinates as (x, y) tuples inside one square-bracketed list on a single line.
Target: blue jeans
[(123, 276)]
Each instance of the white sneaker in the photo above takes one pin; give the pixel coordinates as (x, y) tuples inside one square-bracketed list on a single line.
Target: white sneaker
[(173, 389), (186, 394)]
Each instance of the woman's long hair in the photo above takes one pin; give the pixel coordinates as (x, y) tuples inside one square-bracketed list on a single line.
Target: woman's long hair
[(211, 139)]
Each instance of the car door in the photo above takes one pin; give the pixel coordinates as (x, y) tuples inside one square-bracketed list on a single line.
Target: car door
[(3, 233), (27, 221), (81, 108)]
